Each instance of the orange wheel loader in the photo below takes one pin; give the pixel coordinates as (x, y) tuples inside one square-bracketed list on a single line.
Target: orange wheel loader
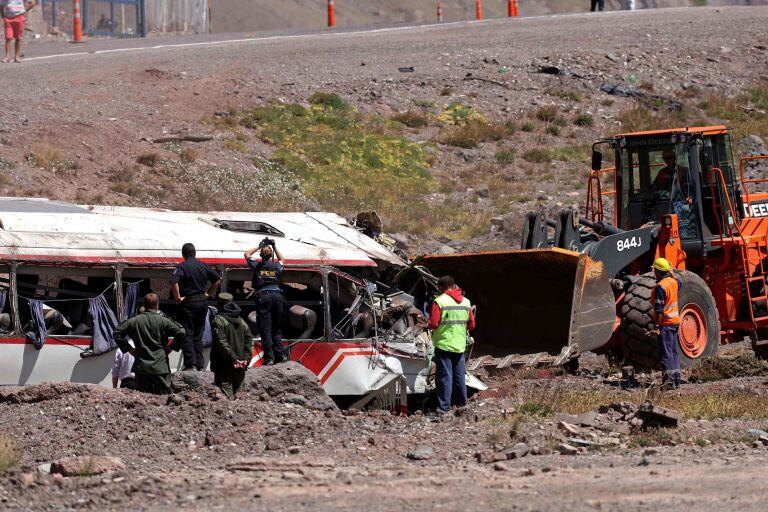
[(583, 282)]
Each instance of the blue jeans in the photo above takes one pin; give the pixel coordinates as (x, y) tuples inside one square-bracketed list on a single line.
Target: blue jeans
[(450, 369), (670, 359)]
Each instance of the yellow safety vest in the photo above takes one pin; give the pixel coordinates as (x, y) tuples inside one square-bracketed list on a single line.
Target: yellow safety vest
[(451, 333)]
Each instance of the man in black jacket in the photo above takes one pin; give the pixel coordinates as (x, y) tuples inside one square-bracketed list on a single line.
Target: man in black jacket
[(191, 284)]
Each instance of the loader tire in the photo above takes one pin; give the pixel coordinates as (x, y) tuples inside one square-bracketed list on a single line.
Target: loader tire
[(699, 335)]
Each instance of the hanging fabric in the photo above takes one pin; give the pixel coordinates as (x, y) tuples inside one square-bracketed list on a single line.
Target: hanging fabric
[(37, 332), (104, 323), (207, 330), (3, 300), (131, 300)]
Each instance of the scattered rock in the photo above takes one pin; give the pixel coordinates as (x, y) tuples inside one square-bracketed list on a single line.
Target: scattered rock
[(421, 453), (657, 416), (211, 439), (518, 451), (566, 449), (568, 428), (86, 465), (489, 457)]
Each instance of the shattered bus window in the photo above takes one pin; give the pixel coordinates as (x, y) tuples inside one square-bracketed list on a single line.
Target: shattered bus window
[(65, 294)]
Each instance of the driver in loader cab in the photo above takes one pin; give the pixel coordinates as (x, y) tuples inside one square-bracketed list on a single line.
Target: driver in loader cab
[(666, 316), (663, 181)]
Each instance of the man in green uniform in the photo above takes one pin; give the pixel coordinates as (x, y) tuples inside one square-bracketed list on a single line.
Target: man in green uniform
[(232, 347), (149, 332)]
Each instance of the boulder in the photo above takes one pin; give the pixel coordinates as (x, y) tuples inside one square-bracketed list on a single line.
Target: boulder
[(86, 465), (421, 453), (288, 382)]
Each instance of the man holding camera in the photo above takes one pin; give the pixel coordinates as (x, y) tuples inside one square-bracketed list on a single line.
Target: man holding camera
[(270, 303)]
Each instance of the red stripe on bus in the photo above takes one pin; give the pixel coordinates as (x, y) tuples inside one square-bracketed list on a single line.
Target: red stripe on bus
[(85, 342), (161, 259)]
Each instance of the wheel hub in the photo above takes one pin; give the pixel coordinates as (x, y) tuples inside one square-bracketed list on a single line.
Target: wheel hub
[(693, 331)]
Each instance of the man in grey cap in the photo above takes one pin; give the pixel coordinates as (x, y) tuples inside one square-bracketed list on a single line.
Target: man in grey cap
[(232, 346)]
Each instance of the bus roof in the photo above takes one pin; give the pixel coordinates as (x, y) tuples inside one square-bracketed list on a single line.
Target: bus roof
[(40, 230)]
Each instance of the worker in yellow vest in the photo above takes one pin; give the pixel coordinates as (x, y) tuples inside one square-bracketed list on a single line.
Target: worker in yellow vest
[(450, 319), (666, 316)]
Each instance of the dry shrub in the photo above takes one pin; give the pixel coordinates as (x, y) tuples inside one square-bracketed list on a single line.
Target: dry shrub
[(150, 159), (188, 155), (719, 404), (9, 454), (44, 155), (411, 119), (547, 113), (472, 133)]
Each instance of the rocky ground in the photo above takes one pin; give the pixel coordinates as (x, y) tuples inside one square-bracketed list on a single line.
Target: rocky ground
[(534, 441)]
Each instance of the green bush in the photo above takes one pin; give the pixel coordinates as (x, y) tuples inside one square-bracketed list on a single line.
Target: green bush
[(326, 100), (538, 155), (505, 157), (584, 120)]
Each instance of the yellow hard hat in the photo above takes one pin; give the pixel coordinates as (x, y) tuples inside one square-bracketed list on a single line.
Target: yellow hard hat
[(662, 265)]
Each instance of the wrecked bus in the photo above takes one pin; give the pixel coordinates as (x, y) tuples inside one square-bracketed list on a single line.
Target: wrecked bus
[(68, 273)]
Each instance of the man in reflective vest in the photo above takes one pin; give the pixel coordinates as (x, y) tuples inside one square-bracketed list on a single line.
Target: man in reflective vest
[(666, 316), (450, 318)]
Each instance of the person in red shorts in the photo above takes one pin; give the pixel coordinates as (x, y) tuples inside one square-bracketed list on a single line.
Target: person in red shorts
[(14, 14)]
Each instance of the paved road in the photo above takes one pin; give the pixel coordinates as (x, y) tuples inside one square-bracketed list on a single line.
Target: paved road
[(54, 50)]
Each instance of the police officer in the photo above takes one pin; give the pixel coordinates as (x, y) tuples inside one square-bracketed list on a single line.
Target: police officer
[(269, 299), (191, 284), (666, 316)]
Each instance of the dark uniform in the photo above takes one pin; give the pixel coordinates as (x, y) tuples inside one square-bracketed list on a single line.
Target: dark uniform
[(193, 277), (150, 332), (269, 308), (232, 342)]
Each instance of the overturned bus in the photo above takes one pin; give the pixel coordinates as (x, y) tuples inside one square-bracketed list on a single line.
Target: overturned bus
[(69, 273)]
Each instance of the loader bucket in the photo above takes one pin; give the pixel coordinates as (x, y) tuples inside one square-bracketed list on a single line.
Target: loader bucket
[(531, 301)]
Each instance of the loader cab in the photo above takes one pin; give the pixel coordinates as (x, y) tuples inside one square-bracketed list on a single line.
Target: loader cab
[(671, 171)]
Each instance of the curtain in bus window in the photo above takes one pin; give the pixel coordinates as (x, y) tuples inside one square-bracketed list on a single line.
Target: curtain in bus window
[(207, 331), (131, 301), (104, 323), (37, 332), (3, 300)]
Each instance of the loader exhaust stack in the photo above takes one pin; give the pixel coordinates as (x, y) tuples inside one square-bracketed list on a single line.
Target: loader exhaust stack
[(536, 300)]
